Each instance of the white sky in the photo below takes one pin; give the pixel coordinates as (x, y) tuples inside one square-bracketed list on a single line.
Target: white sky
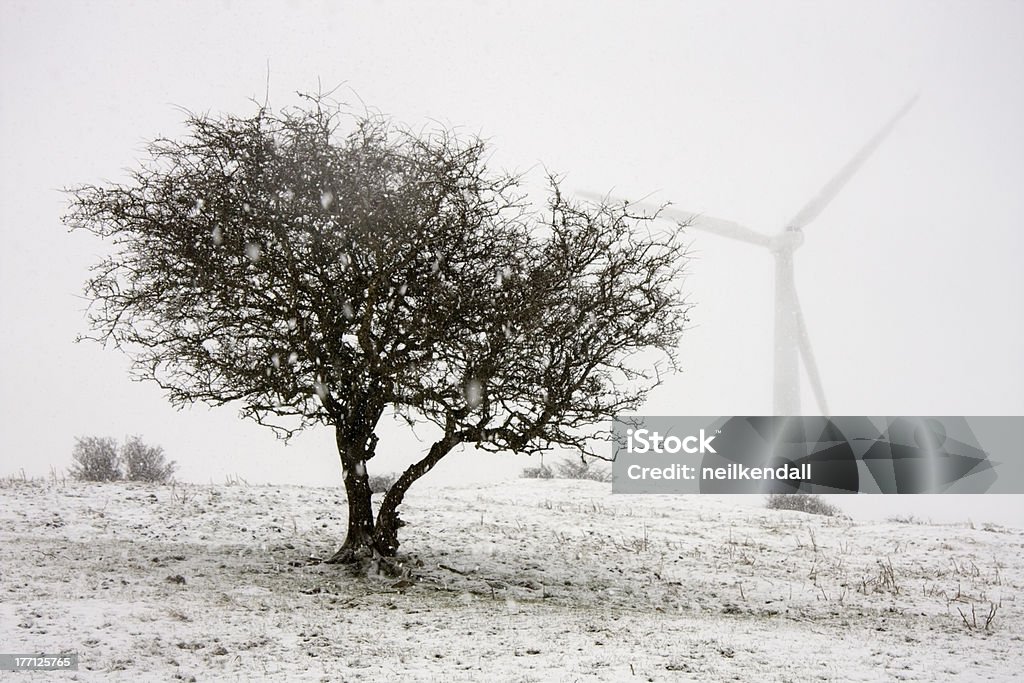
[(910, 280)]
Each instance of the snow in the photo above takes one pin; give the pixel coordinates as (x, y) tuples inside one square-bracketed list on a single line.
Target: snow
[(533, 580), (253, 251), (473, 392), (504, 274)]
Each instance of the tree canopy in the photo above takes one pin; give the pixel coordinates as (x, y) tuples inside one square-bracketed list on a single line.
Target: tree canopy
[(313, 276)]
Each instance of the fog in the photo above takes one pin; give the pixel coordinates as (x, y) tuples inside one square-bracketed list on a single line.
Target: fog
[(910, 280)]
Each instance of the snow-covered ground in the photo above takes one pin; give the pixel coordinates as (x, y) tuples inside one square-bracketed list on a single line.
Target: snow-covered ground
[(531, 580)]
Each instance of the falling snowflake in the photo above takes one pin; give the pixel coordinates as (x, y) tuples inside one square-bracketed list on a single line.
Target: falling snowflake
[(473, 393), (293, 358), (359, 469), (348, 311), (503, 275), (321, 390), (218, 235), (276, 360), (253, 251), (326, 199), (287, 195)]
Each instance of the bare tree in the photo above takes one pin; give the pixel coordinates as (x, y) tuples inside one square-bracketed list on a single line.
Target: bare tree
[(314, 278)]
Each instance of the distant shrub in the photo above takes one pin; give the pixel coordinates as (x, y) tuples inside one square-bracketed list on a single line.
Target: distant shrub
[(905, 519), (571, 468), (380, 483), (95, 459), (542, 471), (98, 458), (802, 502), (143, 462)]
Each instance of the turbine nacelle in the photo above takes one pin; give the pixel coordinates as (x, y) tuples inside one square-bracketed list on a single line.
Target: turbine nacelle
[(789, 240)]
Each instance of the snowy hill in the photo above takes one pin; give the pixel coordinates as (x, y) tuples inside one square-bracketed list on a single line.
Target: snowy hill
[(537, 580)]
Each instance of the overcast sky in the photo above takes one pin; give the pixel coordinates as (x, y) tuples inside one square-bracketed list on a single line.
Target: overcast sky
[(910, 280)]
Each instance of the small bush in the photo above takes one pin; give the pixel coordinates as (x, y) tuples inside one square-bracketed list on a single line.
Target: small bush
[(570, 468), (95, 459), (145, 463), (98, 458), (581, 469), (904, 519), (802, 502), (540, 472), (380, 483)]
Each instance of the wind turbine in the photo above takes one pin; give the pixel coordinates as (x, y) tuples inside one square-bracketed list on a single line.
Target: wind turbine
[(791, 339)]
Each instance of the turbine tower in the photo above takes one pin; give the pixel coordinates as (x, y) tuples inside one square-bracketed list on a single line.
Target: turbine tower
[(791, 338)]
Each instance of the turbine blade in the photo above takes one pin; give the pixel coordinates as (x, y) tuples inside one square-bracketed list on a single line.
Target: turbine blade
[(832, 187), (697, 221), (804, 343)]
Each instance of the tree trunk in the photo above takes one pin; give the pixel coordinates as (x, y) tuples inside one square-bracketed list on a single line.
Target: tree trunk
[(359, 536), (385, 535)]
